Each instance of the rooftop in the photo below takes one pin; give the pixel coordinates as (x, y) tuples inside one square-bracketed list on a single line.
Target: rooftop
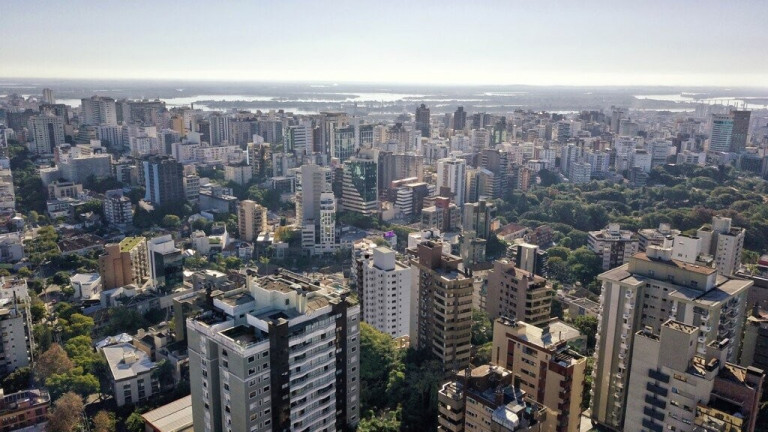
[(681, 327), (129, 243), (674, 263), (173, 417), (126, 361)]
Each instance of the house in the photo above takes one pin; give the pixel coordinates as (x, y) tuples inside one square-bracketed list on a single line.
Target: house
[(130, 374)]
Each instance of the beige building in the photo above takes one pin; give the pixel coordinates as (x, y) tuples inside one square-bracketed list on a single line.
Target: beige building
[(443, 305), (672, 386), (517, 294), (613, 245), (251, 219), (486, 399), (548, 369), (645, 293), (124, 263)]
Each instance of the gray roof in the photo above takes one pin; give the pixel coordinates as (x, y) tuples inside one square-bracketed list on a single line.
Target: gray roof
[(173, 417), (126, 361)]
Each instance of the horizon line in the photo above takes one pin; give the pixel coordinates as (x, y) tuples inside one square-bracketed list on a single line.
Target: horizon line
[(336, 83)]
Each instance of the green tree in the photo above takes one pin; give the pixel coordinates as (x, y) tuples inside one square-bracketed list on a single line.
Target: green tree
[(171, 221), (61, 278), (75, 380), (378, 357), (18, 380), (482, 327), (104, 421), (483, 354), (135, 422), (588, 326), (76, 325), (388, 421)]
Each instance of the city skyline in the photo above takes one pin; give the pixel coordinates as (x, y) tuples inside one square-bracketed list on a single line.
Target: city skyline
[(491, 43)]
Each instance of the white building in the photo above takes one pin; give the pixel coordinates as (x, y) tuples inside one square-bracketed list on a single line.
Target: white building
[(117, 208), (86, 284), (451, 174), (130, 374), (386, 292), (46, 133), (11, 247), (724, 242)]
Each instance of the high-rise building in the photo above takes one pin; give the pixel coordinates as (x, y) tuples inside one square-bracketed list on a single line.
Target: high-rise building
[(459, 119), (723, 242), (166, 263), (740, 130), (497, 162), (117, 208), (643, 294), (163, 178), (48, 96), (517, 294), (298, 139), (360, 192), (251, 220), (423, 120), (314, 180), (721, 132), (98, 110), (613, 245), (124, 263), (547, 368), (478, 217), (327, 226), (344, 144), (219, 129), (529, 257), (46, 133), (385, 294), (441, 319), (754, 351), (451, 174), (489, 398), (281, 354), (673, 385)]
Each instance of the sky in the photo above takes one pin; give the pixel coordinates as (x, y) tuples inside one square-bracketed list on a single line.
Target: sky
[(469, 42)]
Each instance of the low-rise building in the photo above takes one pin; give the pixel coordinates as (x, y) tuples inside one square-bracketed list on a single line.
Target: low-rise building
[(23, 409), (130, 374), (86, 285), (173, 417), (613, 245)]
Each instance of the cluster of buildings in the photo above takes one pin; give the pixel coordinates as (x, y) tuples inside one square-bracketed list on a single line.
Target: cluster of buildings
[(282, 350)]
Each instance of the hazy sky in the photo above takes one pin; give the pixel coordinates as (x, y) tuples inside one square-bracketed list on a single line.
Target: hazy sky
[(673, 42)]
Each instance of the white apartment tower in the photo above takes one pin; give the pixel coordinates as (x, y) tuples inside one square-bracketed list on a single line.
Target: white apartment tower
[(451, 173), (281, 354), (385, 295), (47, 133), (724, 243)]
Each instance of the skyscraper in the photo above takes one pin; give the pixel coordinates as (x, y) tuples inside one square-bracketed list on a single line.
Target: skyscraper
[(721, 133), (423, 120), (740, 130), (441, 320), (451, 174), (281, 354), (343, 143), (163, 177), (459, 119), (98, 110), (643, 294), (360, 193)]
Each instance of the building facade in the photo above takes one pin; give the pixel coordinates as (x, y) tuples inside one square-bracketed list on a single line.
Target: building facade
[(280, 354), (517, 294)]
